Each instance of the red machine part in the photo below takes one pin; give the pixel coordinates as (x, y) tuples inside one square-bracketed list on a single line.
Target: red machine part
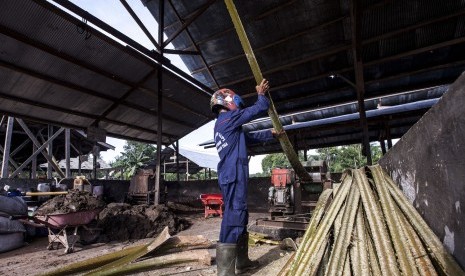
[(282, 177)]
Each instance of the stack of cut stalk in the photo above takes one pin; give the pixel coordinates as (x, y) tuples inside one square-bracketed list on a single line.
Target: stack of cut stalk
[(180, 249), (369, 228)]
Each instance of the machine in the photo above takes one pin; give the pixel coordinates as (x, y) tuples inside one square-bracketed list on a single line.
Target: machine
[(291, 200)]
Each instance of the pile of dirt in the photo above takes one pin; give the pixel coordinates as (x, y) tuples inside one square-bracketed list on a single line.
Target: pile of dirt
[(74, 201), (122, 222)]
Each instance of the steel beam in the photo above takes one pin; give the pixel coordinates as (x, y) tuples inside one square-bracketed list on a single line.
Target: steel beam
[(210, 72), (39, 150), (187, 22), (97, 22), (84, 89), (121, 99), (141, 25), (35, 142), (13, 163), (18, 148), (181, 52)]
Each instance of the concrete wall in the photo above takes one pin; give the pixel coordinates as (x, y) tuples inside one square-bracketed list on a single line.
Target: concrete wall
[(182, 192), (113, 190), (429, 165), (189, 192)]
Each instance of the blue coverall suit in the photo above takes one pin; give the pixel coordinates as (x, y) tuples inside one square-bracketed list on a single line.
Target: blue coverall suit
[(233, 168)]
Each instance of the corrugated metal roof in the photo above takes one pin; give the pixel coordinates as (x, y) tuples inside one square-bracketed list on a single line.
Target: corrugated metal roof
[(58, 69), (405, 45)]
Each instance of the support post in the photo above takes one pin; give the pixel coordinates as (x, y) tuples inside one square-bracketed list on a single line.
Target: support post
[(177, 160), (68, 152), (6, 150), (95, 153), (161, 26), (50, 151), (359, 78), (34, 163), (383, 146), (80, 154)]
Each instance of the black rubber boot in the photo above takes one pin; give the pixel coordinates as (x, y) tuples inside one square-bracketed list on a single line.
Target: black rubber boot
[(225, 258), (243, 263)]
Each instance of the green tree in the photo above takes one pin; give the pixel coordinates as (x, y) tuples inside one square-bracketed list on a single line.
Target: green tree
[(133, 157), (276, 160), (338, 158), (346, 157)]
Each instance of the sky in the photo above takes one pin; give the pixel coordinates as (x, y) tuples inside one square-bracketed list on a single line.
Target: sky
[(113, 13)]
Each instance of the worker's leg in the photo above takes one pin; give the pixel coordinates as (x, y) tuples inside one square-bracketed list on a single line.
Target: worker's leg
[(235, 216), (243, 263), (226, 248)]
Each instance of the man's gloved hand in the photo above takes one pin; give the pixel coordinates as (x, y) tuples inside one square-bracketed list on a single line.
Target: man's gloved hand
[(277, 134), (262, 87)]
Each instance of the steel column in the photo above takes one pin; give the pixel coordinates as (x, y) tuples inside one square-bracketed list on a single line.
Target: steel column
[(161, 24), (80, 153), (34, 163), (6, 151), (68, 152), (13, 163), (95, 153), (50, 150), (177, 160), (359, 78)]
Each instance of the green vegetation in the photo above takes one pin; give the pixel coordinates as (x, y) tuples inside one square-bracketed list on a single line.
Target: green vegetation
[(337, 158), (133, 157)]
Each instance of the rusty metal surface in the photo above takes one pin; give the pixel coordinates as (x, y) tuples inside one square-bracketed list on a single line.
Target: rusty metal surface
[(406, 45), (56, 68), (288, 224)]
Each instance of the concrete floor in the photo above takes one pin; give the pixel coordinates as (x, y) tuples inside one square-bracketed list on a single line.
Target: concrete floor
[(34, 258)]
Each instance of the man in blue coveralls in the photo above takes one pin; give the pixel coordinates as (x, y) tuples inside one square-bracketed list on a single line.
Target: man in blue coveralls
[(233, 174)]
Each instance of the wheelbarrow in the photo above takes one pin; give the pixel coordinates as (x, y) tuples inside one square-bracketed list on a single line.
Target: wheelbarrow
[(63, 228), (213, 204)]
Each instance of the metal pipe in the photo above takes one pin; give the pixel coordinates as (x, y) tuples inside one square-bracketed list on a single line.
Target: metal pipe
[(355, 116)]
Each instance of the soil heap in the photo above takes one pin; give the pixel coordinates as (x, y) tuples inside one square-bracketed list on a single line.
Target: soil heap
[(74, 201), (122, 222)]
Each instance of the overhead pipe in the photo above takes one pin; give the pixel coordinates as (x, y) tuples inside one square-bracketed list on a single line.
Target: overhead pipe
[(355, 116)]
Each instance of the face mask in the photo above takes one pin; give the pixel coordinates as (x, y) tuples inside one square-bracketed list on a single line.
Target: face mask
[(238, 101)]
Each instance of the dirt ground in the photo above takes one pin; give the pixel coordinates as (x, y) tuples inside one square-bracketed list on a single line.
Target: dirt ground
[(35, 259)]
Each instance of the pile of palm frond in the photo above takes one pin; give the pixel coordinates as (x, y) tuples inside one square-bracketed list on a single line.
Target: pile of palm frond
[(369, 228)]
